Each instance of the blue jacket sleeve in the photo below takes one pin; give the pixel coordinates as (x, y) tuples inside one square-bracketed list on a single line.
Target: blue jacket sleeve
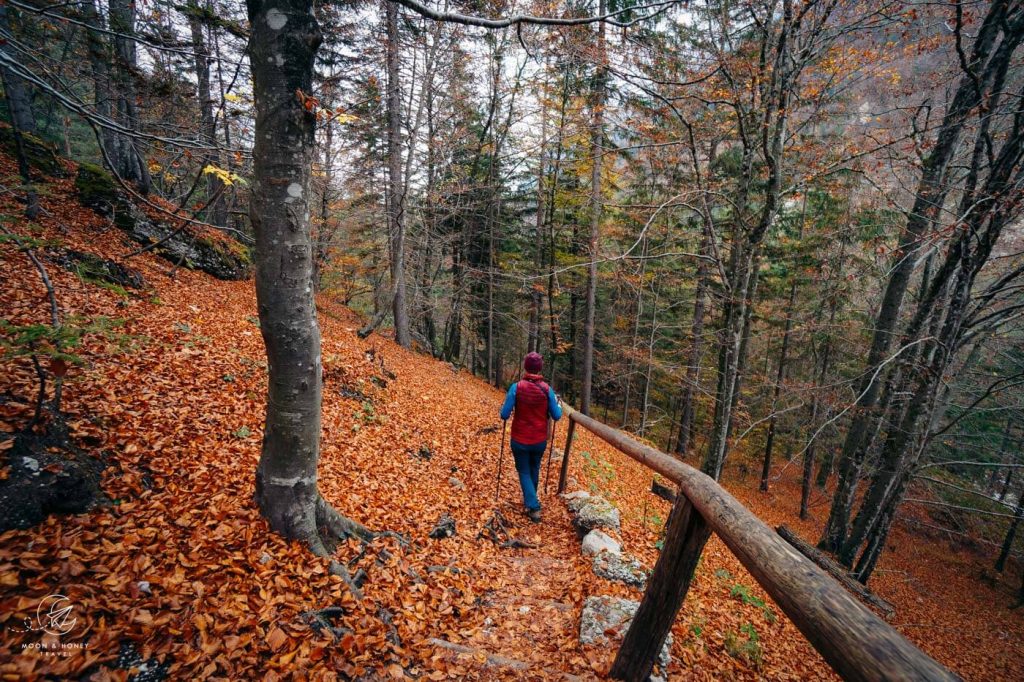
[(554, 409), (510, 402)]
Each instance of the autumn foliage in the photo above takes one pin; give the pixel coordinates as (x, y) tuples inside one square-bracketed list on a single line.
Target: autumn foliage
[(178, 563)]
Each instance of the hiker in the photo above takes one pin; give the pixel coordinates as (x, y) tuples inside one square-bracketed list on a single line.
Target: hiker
[(533, 401)]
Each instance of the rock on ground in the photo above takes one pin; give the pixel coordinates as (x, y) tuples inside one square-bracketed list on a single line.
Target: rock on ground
[(224, 259), (623, 569), (575, 500), (595, 543), (603, 613), (596, 512)]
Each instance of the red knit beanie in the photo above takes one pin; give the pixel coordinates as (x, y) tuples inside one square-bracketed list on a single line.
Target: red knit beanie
[(533, 363)]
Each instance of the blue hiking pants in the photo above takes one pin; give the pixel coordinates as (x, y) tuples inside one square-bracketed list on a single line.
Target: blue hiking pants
[(528, 459)]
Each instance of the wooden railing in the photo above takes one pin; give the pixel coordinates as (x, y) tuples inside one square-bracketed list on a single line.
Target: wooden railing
[(854, 641)]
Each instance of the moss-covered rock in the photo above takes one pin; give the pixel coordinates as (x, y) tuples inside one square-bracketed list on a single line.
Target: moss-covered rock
[(101, 271), (96, 188), (40, 154), (221, 258)]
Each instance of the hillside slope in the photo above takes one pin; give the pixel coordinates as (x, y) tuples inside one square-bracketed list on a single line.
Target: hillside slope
[(178, 569)]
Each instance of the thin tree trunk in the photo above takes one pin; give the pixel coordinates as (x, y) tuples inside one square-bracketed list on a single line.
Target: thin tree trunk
[(130, 159), (536, 297), (1011, 533), (1005, 450), (19, 101), (631, 359), (216, 209), (596, 144), (688, 410), (396, 192), (16, 97), (650, 363)]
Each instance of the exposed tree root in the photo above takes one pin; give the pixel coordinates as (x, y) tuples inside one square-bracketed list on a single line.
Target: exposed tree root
[(496, 530), (333, 528), (321, 619)]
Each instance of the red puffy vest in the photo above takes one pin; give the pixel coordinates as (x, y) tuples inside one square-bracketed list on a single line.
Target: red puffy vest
[(530, 420)]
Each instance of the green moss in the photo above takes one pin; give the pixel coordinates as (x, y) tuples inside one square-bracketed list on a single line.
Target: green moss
[(40, 154), (95, 186)]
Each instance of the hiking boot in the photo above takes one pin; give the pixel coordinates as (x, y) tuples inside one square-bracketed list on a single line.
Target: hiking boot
[(534, 515)]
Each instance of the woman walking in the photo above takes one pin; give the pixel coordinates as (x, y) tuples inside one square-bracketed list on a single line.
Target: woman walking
[(533, 402)]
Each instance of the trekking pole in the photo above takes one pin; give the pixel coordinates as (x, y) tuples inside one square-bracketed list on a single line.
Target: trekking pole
[(501, 453), (551, 453)]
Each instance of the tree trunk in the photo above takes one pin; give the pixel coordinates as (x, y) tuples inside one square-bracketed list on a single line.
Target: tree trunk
[(128, 158), (285, 37), (396, 192), (687, 417), (536, 295), (1005, 451), (16, 97), (779, 377), (19, 101), (638, 314), (596, 144), (216, 208), (650, 363), (1011, 533)]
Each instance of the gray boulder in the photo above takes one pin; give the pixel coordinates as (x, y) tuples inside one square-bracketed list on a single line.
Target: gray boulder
[(575, 500), (603, 613), (596, 543), (596, 512), (623, 569)]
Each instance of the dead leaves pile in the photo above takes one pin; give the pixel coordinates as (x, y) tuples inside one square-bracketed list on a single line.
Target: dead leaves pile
[(181, 565)]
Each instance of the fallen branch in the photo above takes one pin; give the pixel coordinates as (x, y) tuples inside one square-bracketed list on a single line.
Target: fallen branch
[(838, 572), (496, 530), (663, 491)]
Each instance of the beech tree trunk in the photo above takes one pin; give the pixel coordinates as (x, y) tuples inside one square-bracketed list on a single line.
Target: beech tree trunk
[(686, 418), (396, 190), (127, 157), (1011, 533), (779, 378), (16, 96), (285, 37), (17, 91)]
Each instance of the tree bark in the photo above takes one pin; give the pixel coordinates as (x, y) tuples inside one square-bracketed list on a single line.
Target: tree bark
[(17, 90), (128, 155), (216, 208), (687, 417), (596, 146), (285, 38), (779, 378), (1011, 533), (16, 97), (396, 190)]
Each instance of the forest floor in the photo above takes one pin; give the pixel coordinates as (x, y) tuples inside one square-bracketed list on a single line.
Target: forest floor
[(179, 568)]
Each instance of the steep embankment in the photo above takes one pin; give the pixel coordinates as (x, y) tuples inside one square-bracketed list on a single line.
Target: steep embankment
[(178, 570)]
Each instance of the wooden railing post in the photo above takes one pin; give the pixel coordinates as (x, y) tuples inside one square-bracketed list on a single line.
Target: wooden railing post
[(685, 536), (564, 470)]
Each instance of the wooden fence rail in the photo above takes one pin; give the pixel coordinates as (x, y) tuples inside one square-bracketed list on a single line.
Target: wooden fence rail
[(854, 641)]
